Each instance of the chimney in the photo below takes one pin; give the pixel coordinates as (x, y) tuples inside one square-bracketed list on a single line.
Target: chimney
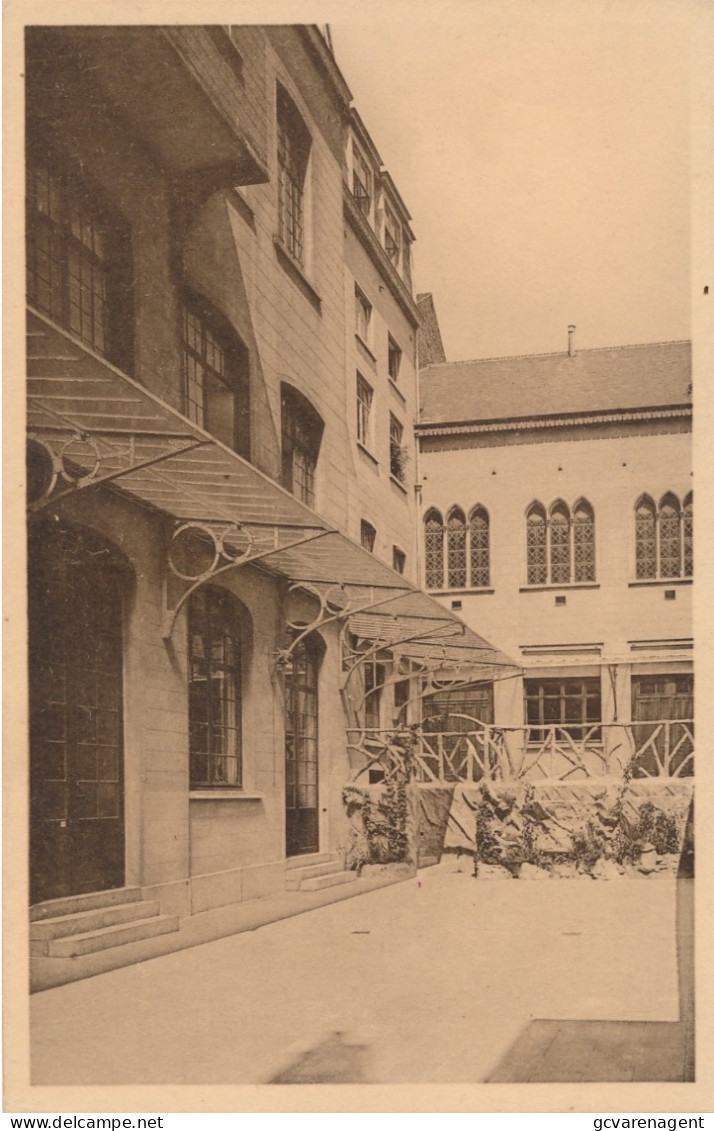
[(571, 341)]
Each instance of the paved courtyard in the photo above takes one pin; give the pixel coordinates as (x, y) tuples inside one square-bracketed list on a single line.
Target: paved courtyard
[(436, 979)]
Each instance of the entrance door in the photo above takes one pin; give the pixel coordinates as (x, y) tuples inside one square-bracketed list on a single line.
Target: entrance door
[(660, 698), (301, 809), (76, 755)]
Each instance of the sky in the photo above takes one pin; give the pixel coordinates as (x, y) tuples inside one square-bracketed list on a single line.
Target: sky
[(542, 149)]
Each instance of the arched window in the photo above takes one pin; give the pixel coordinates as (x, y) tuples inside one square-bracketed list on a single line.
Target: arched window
[(561, 547), (479, 548), (536, 545), (688, 535), (645, 538), (456, 549), (214, 684), (434, 550), (301, 746), (559, 543), (583, 541), (670, 537), (301, 436)]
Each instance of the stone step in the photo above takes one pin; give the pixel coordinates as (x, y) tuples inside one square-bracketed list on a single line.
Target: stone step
[(83, 921), (317, 883), (297, 876), (312, 858), (107, 937), (73, 904)]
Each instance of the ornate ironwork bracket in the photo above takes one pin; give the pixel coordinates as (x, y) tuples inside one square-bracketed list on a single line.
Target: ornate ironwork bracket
[(334, 603), (65, 466), (199, 552)]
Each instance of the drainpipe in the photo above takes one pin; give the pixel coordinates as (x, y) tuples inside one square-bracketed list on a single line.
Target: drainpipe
[(571, 341)]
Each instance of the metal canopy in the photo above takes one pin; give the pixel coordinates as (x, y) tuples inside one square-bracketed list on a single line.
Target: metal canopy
[(98, 425)]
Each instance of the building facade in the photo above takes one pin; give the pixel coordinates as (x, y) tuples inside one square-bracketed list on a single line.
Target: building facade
[(221, 465), (557, 513)]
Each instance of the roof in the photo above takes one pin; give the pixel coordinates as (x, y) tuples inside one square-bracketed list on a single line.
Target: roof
[(613, 379), (431, 347)]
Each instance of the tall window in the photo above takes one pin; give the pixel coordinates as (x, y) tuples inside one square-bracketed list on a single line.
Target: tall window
[(399, 559), (363, 315), (456, 549), (293, 152), (301, 429), (394, 359), (367, 535), (434, 550), (560, 546), (397, 452), (361, 182), (374, 676), (664, 537), (78, 271), (571, 704), (215, 369), (392, 236), (364, 411), (479, 548), (214, 656)]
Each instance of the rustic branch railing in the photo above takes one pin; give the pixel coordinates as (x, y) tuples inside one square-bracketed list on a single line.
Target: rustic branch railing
[(477, 751)]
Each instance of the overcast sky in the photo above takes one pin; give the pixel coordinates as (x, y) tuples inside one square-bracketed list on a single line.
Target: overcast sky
[(542, 150)]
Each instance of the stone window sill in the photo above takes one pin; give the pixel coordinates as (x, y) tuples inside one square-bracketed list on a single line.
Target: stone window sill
[(295, 272), (223, 795), (367, 453), (566, 587), (659, 581)]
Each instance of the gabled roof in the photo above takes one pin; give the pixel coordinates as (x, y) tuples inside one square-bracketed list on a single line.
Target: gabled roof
[(593, 380)]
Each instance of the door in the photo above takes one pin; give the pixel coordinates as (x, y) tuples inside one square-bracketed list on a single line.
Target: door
[(76, 753), (301, 750), (660, 699)]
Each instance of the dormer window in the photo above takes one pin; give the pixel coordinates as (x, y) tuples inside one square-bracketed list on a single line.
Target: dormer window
[(392, 236), (361, 182)]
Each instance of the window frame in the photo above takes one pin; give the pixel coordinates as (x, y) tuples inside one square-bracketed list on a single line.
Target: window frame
[(301, 431), (366, 184), (87, 242), (434, 538), (649, 520), (367, 535), (363, 316), (394, 359), (535, 690), (215, 614), (365, 401), (399, 560), (217, 338), (397, 449), (561, 544), (293, 147)]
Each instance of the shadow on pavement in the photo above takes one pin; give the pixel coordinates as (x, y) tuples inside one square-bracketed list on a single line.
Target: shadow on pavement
[(597, 1051)]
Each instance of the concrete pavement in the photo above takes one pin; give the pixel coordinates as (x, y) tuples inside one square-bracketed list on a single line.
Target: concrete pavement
[(431, 980)]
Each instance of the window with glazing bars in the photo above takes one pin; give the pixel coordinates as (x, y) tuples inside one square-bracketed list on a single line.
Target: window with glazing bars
[(434, 550), (215, 379), (301, 429), (560, 545), (364, 410), (479, 548), (293, 153), (214, 637), (367, 535), (664, 537), (77, 263), (456, 549), (361, 182), (573, 705)]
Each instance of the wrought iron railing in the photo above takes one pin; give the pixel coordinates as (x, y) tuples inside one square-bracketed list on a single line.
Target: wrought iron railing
[(477, 751)]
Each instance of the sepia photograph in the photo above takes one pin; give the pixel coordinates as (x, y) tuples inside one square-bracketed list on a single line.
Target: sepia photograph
[(356, 615)]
